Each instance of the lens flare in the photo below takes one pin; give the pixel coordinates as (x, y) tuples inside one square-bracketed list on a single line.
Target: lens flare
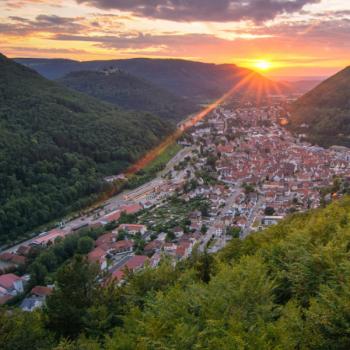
[(263, 64)]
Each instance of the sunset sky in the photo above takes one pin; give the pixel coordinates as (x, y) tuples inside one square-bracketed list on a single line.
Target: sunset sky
[(280, 37)]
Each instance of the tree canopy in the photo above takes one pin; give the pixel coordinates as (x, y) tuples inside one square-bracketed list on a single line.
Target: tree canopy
[(56, 145)]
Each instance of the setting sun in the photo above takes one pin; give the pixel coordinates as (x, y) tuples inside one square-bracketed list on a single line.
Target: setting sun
[(263, 65)]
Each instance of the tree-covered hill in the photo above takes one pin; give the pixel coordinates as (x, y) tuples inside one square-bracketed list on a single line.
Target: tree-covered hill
[(326, 111), (286, 288), (129, 92), (55, 145), (197, 81)]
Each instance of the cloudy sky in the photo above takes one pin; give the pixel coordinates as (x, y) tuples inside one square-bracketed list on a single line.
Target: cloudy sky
[(298, 37)]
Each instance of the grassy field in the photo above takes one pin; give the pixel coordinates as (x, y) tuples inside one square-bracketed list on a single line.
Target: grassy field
[(150, 171), (161, 161)]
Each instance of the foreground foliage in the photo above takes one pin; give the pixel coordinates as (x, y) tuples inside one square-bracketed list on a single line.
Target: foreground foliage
[(285, 288)]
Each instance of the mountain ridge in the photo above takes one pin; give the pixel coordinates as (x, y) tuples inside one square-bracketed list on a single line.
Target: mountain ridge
[(201, 82), (324, 112), (128, 92), (56, 146)]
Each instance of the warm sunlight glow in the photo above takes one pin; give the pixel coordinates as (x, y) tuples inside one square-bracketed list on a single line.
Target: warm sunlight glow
[(263, 65)]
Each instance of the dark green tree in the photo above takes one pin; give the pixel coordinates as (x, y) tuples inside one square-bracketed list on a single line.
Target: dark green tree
[(76, 289)]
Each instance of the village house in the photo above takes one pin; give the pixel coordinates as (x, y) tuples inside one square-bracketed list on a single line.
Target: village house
[(36, 299), (124, 246), (10, 286), (153, 246), (134, 264), (98, 256), (132, 229), (49, 237), (178, 231)]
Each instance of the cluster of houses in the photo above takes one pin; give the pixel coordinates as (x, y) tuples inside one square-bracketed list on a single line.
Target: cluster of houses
[(285, 174), (262, 172), (118, 256)]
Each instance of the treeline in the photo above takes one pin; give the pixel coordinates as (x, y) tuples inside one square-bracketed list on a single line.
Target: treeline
[(56, 145), (284, 288)]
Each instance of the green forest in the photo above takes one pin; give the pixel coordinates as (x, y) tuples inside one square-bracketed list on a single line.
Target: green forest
[(326, 111), (57, 144), (129, 92), (287, 287)]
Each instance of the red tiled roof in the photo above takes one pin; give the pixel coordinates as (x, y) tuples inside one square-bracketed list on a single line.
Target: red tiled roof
[(41, 291), (131, 209), (156, 244), (124, 244), (23, 250), (136, 262), (18, 259), (6, 256), (96, 255), (8, 279), (133, 264), (118, 275), (113, 216), (106, 238), (131, 227), (50, 236)]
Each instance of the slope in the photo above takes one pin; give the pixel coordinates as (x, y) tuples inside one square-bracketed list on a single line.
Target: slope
[(129, 92), (197, 81), (325, 111), (56, 144), (285, 288)]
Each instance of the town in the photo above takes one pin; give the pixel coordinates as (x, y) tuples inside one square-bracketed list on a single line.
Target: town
[(239, 170)]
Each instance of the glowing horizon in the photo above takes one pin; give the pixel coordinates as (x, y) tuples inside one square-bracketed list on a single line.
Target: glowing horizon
[(306, 38)]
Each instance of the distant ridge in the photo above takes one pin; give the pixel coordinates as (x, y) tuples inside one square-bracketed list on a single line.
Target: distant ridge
[(129, 92), (200, 82)]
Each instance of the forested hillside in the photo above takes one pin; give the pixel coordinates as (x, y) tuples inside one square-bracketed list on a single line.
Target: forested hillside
[(55, 146), (129, 92), (197, 81), (326, 111), (284, 288)]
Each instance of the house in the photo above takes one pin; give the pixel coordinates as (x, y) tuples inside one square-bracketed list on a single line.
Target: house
[(11, 284), (31, 303), (183, 250), (271, 220), (12, 258), (49, 237), (132, 229), (131, 209), (178, 231), (36, 299), (41, 291), (18, 259), (155, 260), (134, 264), (219, 229), (106, 239), (114, 216), (98, 255), (6, 257), (170, 248), (124, 246), (23, 250), (152, 247)]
